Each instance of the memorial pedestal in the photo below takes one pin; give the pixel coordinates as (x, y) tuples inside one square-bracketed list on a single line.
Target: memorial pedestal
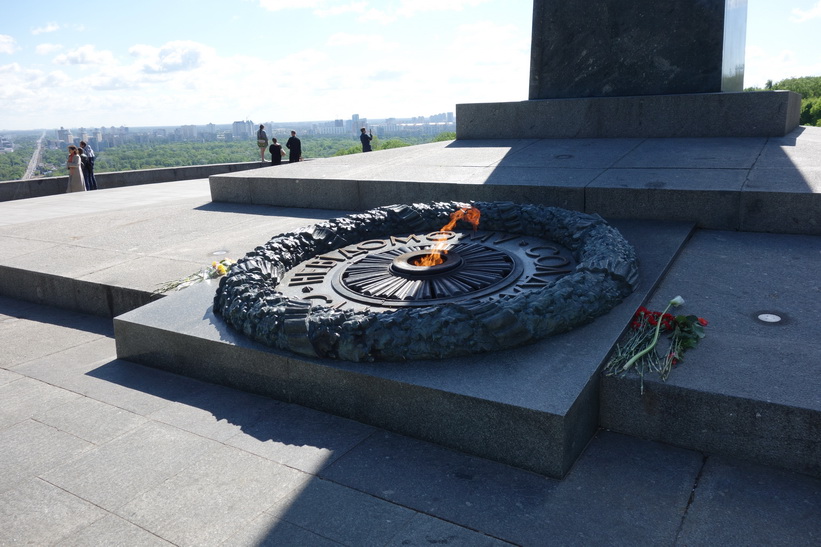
[(743, 114)]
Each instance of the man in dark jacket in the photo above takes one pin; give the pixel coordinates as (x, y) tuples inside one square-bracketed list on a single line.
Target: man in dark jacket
[(88, 166), (365, 139), (294, 146)]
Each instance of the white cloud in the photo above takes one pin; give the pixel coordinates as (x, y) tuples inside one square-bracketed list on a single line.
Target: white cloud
[(85, 55), (412, 7), (277, 5), (7, 44), (374, 42), (50, 27), (801, 16), (762, 65), (172, 56), (480, 70), (379, 13), (25, 90), (378, 16), (189, 82), (47, 49), (355, 7)]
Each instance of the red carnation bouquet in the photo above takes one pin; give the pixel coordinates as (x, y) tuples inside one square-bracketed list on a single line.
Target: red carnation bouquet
[(639, 349)]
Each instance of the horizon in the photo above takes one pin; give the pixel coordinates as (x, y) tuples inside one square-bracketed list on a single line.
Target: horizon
[(395, 58), (227, 125)]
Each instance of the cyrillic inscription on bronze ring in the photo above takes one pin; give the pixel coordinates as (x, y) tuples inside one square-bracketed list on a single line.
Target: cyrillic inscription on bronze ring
[(384, 272)]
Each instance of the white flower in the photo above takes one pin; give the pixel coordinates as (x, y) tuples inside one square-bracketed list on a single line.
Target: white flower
[(677, 301)]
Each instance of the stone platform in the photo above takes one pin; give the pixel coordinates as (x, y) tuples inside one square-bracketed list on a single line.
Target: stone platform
[(749, 390), (748, 184), (534, 407)]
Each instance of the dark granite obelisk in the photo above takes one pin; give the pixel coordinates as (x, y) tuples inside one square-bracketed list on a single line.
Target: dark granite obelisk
[(619, 48), (635, 68)]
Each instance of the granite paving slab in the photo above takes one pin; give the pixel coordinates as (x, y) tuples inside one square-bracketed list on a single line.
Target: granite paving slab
[(796, 150), (324, 508), (703, 153), (300, 437), (73, 417), (654, 485), (26, 396), (38, 513), (739, 504), (266, 531), (211, 497), (52, 338), (216, 412), (117, 472), (29, 448), (113, 530), (424, 530)]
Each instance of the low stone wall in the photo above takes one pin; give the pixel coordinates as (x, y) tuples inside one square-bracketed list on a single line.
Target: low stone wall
[(33, 188)]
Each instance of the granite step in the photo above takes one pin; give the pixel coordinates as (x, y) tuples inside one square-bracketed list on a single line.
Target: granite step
[(753, 184)]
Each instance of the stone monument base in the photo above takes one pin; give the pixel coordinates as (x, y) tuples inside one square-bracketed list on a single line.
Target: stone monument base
[(534, 407), (744, 114)]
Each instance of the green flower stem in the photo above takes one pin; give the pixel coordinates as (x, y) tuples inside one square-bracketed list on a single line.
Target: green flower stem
[(677, 301)]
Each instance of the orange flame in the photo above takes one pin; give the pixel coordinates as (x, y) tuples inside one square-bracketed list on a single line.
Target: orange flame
[(471, 214)]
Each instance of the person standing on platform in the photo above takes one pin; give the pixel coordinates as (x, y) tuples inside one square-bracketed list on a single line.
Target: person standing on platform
[(75, 170), (365, 139), (88, 166), (262, 142), (294, 146), (276, 152)]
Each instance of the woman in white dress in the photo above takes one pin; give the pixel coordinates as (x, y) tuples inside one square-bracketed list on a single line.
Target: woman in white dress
[(75, 171)]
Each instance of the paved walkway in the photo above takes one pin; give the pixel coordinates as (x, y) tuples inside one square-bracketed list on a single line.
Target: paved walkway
[(99, 451)]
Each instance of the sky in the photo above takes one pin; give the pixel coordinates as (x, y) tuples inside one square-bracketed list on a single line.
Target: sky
[(180, 62)]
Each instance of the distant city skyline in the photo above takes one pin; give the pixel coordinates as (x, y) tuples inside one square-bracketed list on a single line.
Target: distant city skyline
[(174, 63), (118, 134), (351, 124)]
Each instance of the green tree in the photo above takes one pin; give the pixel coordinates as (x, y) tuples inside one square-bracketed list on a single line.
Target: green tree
[(808, 86), (810, 89), (391, 143), (445, 136), (152, 155), (811, 111), (13, 164)]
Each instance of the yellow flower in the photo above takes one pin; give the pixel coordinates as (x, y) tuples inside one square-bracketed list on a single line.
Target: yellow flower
[(221, 269)]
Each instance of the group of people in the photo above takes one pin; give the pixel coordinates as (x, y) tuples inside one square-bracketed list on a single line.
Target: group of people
[(80, 165), (293, 144), (80, 161)]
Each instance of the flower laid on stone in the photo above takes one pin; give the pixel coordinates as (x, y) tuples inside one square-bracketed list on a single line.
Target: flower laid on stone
[(639, 351), (215, 270)]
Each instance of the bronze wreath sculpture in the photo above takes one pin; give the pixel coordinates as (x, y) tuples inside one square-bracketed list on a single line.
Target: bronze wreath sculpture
[(605, 272)]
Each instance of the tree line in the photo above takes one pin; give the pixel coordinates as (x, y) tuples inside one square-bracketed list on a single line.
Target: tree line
[(809, 87), (13, 164), (130, 157)]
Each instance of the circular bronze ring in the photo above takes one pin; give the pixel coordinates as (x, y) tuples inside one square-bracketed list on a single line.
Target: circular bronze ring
[(606, 271)]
